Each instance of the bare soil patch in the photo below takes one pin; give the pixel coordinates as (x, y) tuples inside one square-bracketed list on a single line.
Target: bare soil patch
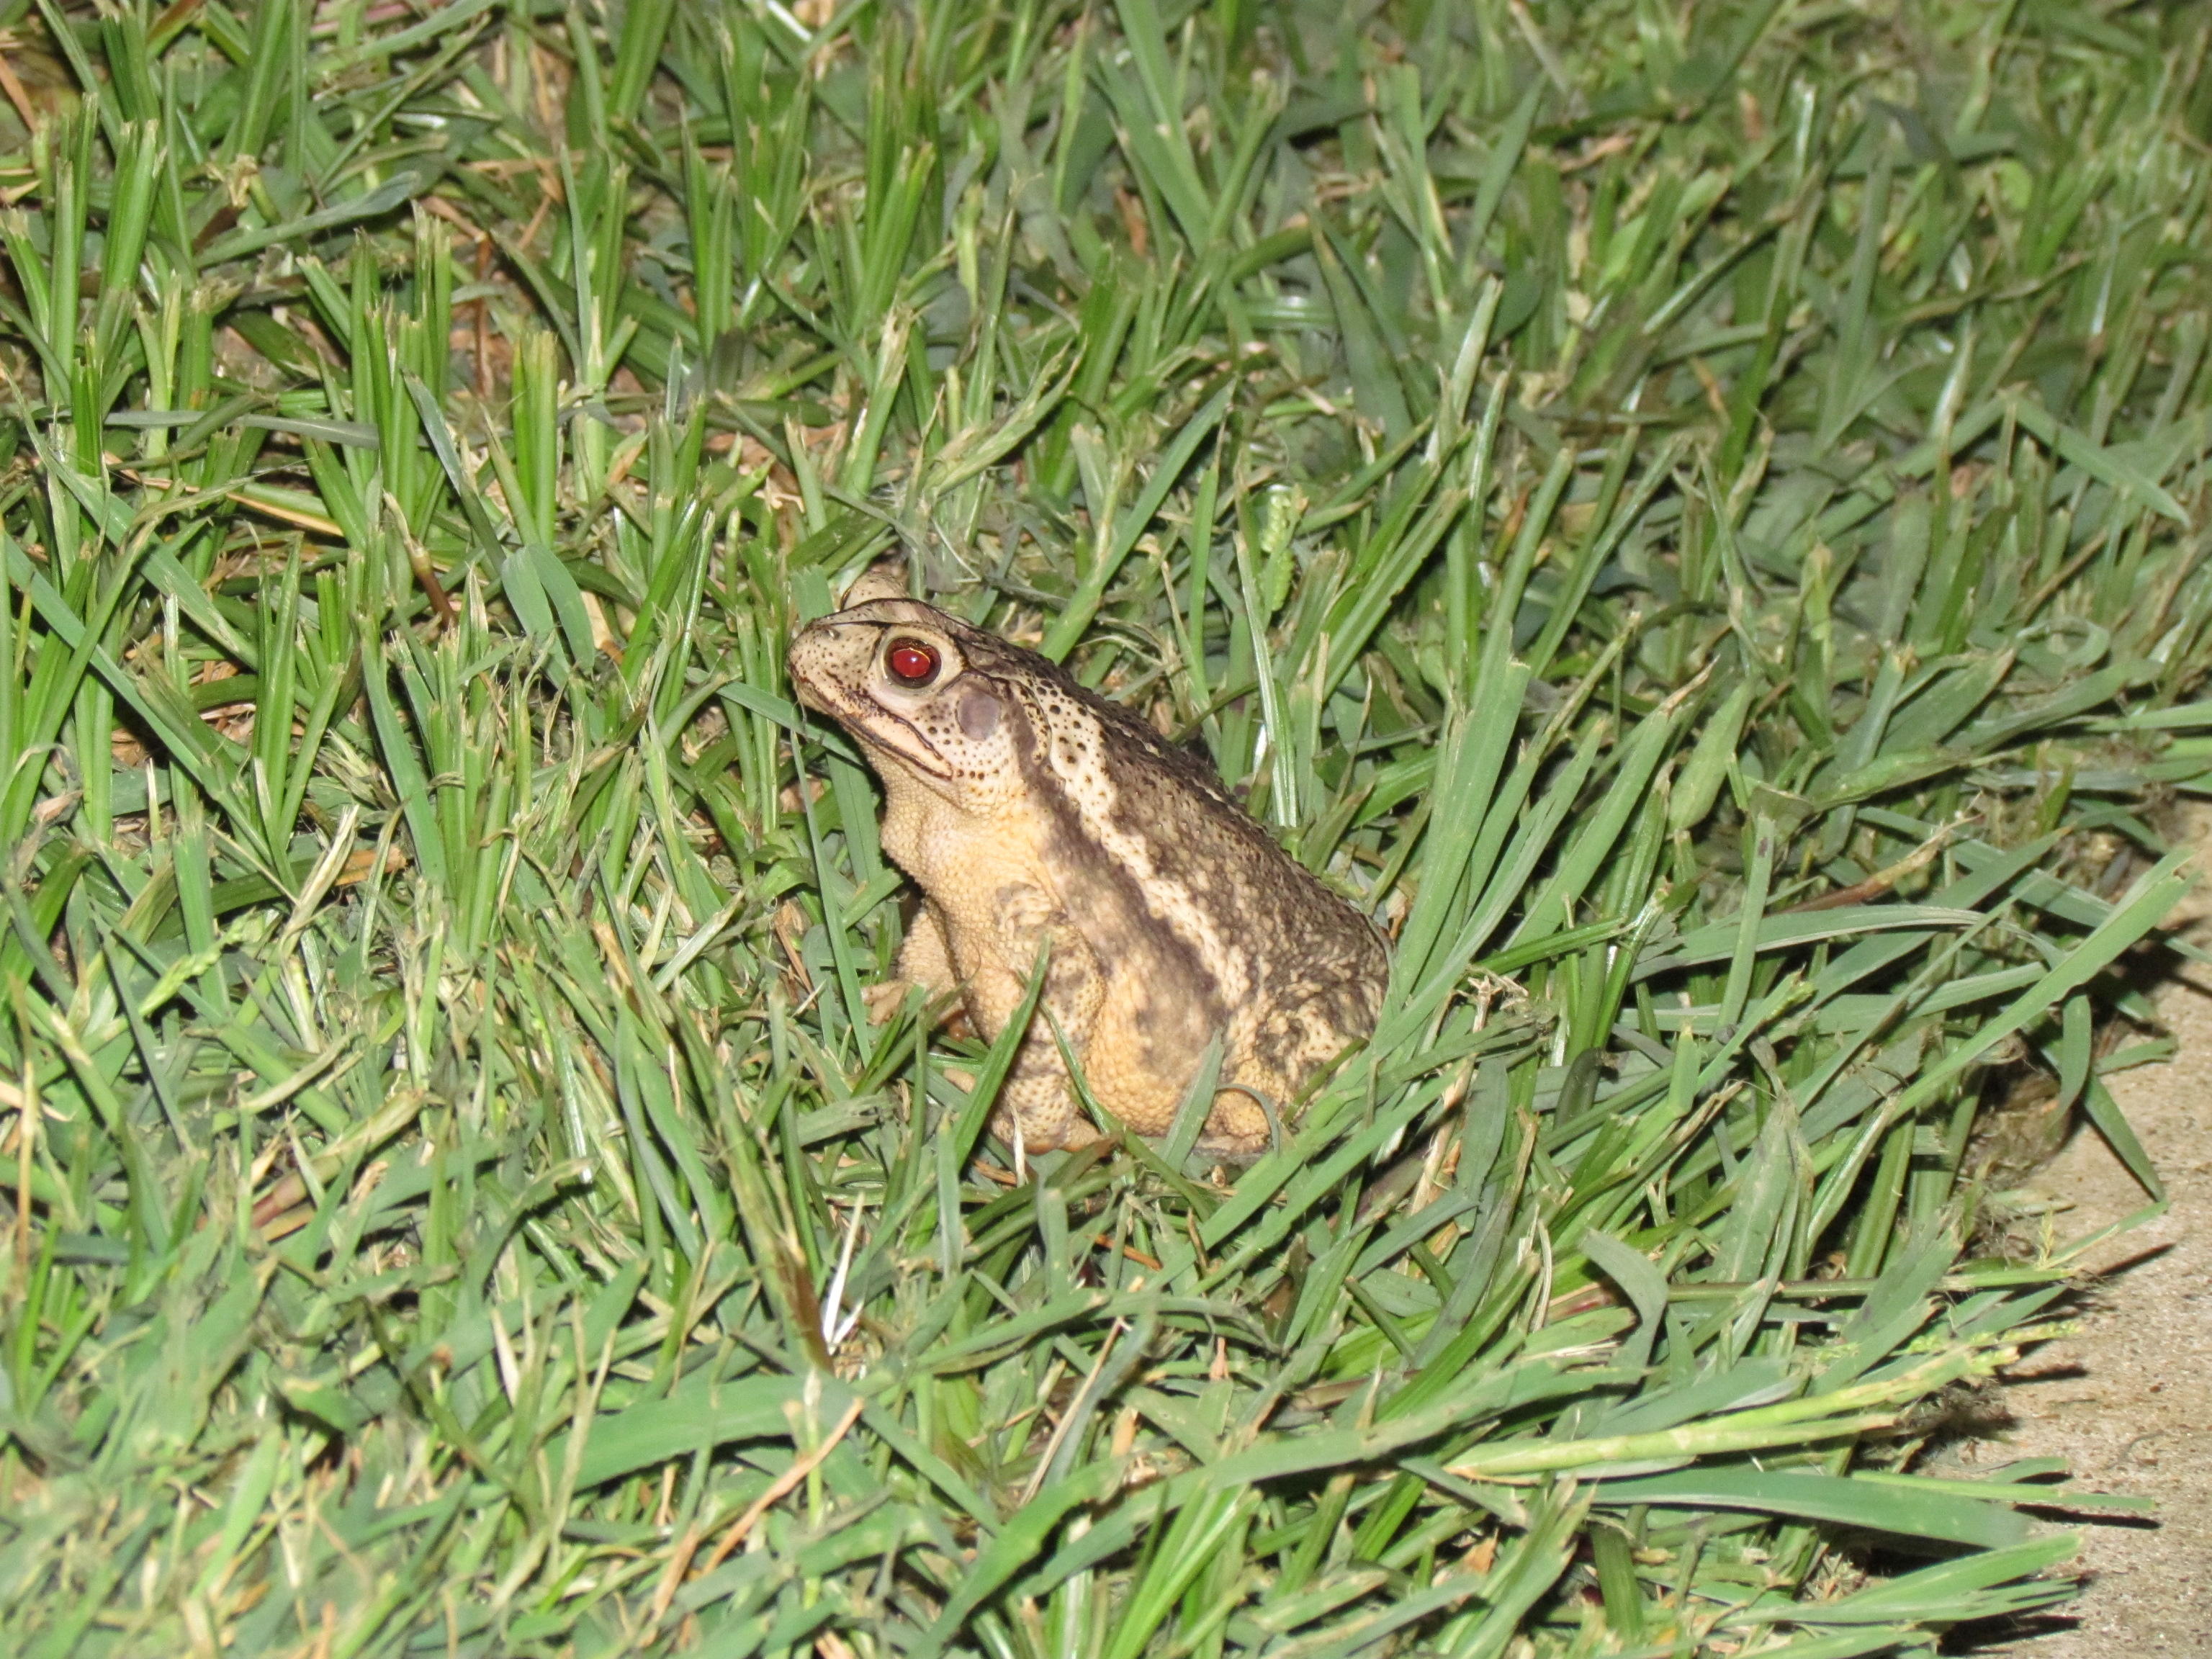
[(2128, 1401)]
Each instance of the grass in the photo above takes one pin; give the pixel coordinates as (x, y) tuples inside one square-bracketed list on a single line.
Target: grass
[(1693, 515)]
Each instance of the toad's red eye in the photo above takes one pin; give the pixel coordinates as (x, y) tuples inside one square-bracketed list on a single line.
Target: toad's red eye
[(911, 662)]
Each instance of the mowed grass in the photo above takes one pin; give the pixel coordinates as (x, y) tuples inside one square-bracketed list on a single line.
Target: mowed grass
[(1692, 515)]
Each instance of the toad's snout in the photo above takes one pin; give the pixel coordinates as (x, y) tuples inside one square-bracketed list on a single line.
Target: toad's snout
[(816, 654)]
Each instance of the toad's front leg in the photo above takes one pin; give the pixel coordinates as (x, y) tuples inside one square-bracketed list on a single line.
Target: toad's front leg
[(925, 962), (1038, 1098)]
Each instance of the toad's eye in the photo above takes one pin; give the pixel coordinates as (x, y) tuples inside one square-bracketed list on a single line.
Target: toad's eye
[(911, 662)]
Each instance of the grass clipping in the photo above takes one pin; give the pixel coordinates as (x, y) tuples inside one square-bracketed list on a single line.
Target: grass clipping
[(1687, 515)]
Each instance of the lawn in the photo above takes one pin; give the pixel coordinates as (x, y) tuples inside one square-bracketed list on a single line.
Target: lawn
[(1691, 515)]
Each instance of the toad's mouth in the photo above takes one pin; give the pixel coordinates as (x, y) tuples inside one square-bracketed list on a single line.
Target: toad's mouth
[(862, 717)]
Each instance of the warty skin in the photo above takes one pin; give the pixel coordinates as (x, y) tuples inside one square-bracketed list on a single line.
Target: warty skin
[(1037, 817)]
